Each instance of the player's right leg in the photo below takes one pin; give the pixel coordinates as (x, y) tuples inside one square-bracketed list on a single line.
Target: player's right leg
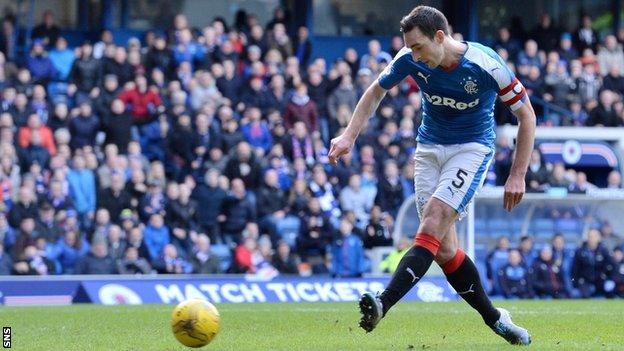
[(463, 276), (436, 221)]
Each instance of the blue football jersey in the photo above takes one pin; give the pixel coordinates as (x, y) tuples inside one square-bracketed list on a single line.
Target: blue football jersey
[(458, 103)]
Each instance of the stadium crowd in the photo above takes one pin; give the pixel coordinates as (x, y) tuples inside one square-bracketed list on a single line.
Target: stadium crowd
[(151, 156)]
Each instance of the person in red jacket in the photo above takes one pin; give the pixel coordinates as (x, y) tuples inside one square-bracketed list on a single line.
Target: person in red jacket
[(301, 108), (34, 123), (144, 103)]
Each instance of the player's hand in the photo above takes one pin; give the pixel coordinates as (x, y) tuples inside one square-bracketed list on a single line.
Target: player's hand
[(339, 146), (514, 191)]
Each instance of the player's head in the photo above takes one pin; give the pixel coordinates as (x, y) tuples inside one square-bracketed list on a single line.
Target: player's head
[(424, 30)]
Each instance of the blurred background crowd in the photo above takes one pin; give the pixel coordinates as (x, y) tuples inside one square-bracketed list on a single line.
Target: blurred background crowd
[(204, 150)]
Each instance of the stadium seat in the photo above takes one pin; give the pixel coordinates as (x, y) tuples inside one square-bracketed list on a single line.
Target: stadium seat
[(499, 227)]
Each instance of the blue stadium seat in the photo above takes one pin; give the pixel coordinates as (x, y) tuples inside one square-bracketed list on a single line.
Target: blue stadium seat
[(499, 227), (570, 228), (542, 228), (480, 226)]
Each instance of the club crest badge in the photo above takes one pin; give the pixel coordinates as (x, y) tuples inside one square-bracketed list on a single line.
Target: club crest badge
[(470, 85)]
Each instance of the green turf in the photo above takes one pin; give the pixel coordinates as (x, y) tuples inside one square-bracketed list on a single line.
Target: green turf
[(554, 325)]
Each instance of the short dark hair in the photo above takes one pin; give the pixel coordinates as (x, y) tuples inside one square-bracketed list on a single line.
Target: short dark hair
[(428, 19)]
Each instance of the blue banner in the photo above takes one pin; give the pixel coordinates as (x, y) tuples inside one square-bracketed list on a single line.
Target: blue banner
[(220, 290)]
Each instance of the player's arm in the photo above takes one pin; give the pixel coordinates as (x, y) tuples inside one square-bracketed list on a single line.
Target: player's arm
[(368, 103), (515, 185)]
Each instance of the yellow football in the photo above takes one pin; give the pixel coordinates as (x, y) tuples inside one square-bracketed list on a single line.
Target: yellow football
[(195, 322)]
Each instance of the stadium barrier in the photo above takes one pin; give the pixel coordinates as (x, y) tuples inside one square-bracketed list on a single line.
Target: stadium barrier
[(169, 289)]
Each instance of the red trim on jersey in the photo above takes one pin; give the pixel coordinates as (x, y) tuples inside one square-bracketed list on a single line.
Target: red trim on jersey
[(508, 88), (516, 98), (452, 265), (427, 241)]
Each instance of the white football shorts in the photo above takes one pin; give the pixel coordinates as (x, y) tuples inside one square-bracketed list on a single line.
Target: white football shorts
[(451, 173)]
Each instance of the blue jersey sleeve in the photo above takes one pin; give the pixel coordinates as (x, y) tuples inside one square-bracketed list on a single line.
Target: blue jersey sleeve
[(396, 71)]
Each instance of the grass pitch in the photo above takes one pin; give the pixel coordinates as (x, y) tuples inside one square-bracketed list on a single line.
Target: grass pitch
[(554, 325)]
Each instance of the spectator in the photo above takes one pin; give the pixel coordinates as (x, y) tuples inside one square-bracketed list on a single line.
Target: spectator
[(526, 251), (24, 207), (315, 232), (181, 217), (604, 115), (144, 104), (82, 190), (170, 263), (40, 65), (557, 178), (581, 185), (35, 123), (566, 50), (119, 66), (6, 263), (301, 108), (116, 244), (117, 124), (348, 258), (32, 262), (85, 75), (614, 81), (70, 249), (156, 236), (609, 238), (209, 199), (507, 43), (283, 260), (114, 198), (97, 261), (618, 272), (243, 165), (135, 239), (374, 52), (585, 36), (590, 266), (391, 262), (244, 256), (272, 204), (545, 33), (160, 57), (256, 131), (47, 225), (35, 153), (47, 30), (614, 180), (255, 95), (230, 83), (377, 231), (202, 258), (237, 211), (547, 278), (132, 263), (324, 191), (302, 46), (84, 127), (62, 59), (353, 199), (390, 191), (514, 278), (495, 260)]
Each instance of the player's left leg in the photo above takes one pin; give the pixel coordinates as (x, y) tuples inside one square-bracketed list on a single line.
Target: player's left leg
[(463, 276), (462, 175)]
